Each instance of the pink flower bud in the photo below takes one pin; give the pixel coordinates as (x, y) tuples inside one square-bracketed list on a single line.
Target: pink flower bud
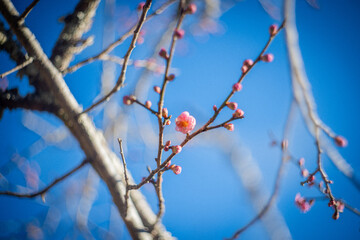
[(179, 33), (168, 164), (176, 169), (167, 122), (336, 215), (168, 143), (238, 113), (248, 62), (165, 113), (127, 100), (331, 203), (163, 53), (237, 87), (304, 172), (157, 89), (232, 105), (301, 162), (244, 69), (215, 108), (170, 77), (176, 149), (229, 126), (340, 141), (140, 6), (267, 57), (273, 29), (148, 104), (311, 178), (191, 8)]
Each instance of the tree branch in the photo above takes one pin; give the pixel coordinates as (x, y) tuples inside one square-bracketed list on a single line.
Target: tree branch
[(90, 139), (17, 68), (47, 188), (121, 78), (27, 11)]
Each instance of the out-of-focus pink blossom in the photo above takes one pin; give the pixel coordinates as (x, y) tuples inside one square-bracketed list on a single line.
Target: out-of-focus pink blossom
[(248, 62), (301, 203), (157, 89), (140, 6), (179, 33), (273, 29), (191, 8), (148, 104), (185, 123), (340, 141)]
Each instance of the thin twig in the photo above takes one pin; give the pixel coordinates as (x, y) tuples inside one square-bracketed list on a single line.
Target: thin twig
[(121, 78), (44, 190), (107, 50), (27, 11), (160, 121), (17, 68), (125, 175), (143, 105), (284, 160)]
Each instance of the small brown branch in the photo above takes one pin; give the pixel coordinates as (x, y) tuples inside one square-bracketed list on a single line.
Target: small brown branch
[(46, 189), (27, 11), (143, 105), (111, 47), (121, 78), (125, 176), (17, 68)]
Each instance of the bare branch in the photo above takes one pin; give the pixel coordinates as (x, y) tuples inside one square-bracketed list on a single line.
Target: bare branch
[(27, 11), (17, 68), (91, 140), (108, 49), (125, 175), (304, 97), (76, 24), (47, 188)]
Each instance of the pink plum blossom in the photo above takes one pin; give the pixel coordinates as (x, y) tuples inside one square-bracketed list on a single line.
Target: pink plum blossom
[(185, 123)]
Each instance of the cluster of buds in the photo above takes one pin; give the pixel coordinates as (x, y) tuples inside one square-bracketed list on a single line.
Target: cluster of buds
[(339, 205), (128, 100), (175, 168), (303, 204)]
